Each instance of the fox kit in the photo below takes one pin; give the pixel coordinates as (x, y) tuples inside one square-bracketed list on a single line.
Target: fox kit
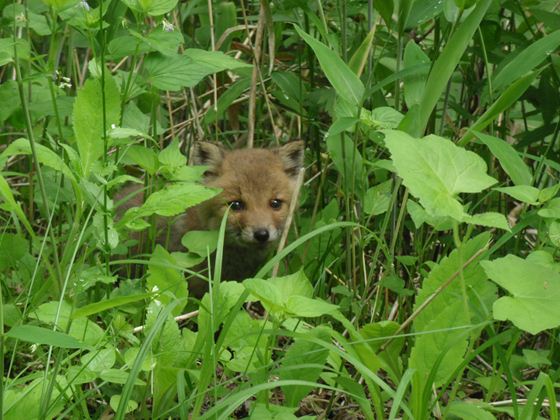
[(257, 186)]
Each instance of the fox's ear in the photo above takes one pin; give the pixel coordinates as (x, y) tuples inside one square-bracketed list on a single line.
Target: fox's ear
[(292, 157), (209, 154)]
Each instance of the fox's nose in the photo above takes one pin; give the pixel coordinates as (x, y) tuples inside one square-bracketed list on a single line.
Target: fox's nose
[(261, 235)]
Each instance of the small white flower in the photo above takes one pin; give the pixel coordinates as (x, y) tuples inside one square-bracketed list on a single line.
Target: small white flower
[(85, 5), (113, 126), (20, 18), (33, 348), (167, 26)]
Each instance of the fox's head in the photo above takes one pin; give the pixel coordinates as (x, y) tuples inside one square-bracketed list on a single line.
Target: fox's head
[(257, 186)]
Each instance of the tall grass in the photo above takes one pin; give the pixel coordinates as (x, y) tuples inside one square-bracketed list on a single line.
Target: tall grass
[(419, 279)]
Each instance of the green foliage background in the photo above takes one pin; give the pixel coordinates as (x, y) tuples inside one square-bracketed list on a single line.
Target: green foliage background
[(421, 277)]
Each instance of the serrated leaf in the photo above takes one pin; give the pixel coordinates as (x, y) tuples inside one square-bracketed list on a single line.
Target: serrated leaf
[(45, 156), (170, 201), (172, 156), (436, 171), (88, 118), (489, 219), (345, 82), (446, 314), (296, 364), (508, 157), (535, 290), (186, 70)]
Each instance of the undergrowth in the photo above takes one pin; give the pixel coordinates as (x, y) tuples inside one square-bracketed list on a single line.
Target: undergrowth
[(420, 278)]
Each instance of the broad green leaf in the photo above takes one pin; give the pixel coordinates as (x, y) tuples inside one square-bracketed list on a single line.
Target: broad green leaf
[(124, 133), (548, 193), (45, 156), (172, 156), (201, 242), (82, 329), (377, 198), (245, 339), (117, 376), (13, 248), (171, 201), (151, 7), (341, 125), (508, 157), (7, 50), (8, 91), (344, 81), (525, 61), (39, 335), (165, 278), (296, 284), (35, 21), (304, 360), (535, 290), (99, 360), (376, 334), (24, 401), (13, 206), (304, 307), (115, 400), (506, 100), (416, 120), (142, 156), (414, 57), (420, 216), (551, 210), (289, 296), (471, 410), (60, 4), (524, 193), (447, 319), (88, 118), (488, 219), (436, 171), (186, 70), (381, 117)]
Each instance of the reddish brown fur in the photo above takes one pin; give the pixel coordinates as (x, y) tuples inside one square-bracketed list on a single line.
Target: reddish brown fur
[(252, 176)]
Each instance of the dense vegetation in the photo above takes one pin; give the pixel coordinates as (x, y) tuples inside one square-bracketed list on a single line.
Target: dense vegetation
[(420, 278)]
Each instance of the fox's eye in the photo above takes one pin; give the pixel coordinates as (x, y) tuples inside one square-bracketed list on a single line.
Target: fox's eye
[(236, 205), (275, 204)]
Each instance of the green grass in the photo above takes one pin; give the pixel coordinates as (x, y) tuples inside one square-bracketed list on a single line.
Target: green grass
[(420, 276)]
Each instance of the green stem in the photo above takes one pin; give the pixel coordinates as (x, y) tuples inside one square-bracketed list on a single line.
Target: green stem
[(106, 248), (40, 179)]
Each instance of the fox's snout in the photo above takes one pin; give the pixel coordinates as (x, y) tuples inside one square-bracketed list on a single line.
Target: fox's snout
[(260, 235)]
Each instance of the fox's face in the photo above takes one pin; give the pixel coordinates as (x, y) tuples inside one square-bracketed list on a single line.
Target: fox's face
[(257, 187)]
